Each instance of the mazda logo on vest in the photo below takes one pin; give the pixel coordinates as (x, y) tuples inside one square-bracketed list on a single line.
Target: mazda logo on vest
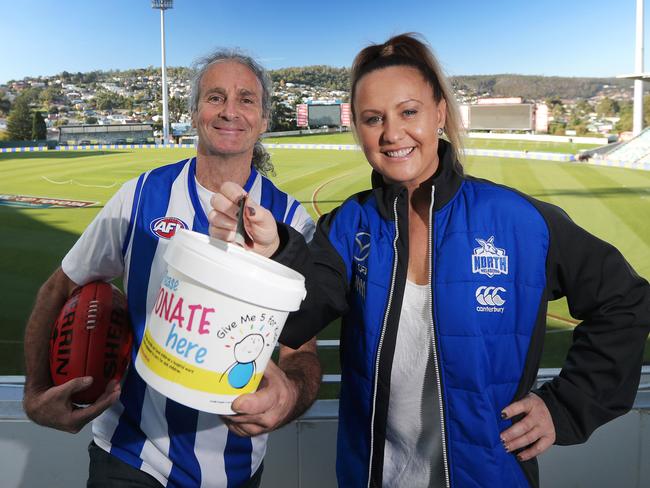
[(361, 252), (361, 246)]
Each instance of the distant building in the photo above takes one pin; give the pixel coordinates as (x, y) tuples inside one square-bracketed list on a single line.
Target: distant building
[(19, 85), (181, 129), (117, 118), (505, 114), (85, 134), (499, 101)]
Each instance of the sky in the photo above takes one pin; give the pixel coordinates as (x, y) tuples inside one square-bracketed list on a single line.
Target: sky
[(547, 37)]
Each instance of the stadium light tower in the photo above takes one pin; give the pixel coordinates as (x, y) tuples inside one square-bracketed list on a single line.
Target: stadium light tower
[(163, 5), (639, 76), (637, 125)]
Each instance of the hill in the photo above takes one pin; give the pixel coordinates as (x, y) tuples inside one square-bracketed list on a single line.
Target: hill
[(529, 87), (539, 87)]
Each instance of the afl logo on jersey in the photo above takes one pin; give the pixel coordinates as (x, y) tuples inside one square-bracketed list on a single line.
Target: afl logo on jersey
[(165, 227)]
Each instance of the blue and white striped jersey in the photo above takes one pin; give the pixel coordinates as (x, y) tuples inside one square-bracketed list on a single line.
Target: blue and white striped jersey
[(177, 445)]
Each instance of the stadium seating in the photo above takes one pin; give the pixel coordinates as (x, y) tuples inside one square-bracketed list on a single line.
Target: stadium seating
[(635, 152)]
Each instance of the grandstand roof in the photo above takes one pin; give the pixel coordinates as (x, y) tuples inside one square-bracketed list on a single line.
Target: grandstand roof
[(87, 128), (637, 76)]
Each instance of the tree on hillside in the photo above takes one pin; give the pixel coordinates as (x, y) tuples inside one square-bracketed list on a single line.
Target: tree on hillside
[(282, 117), (177, 107), (128, 103), (624, 123), (105, 100), (578, 124), (626, 114), (91, 77), (39, 130), (552, 102), (558, 112), (77, 78), (5, 105), (557, 128), (582, 108), (51, 95), (607, 107), (19, 122), (556, 108), (32, 95)]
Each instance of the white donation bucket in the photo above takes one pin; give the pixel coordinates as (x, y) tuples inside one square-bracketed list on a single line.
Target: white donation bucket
[(216, 320)]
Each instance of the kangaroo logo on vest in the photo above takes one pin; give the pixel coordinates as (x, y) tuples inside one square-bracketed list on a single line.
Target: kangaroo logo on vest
[(489, 299), (361, 252), (165, 227), (488, 259)]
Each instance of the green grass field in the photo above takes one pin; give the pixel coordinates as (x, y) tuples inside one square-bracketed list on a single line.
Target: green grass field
[(614, 204)]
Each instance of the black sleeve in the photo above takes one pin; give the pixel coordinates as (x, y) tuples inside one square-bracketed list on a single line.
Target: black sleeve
[(326, 283), (600, 376), (292, 251)]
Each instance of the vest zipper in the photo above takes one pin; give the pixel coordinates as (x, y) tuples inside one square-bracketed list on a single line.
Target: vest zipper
[(443, 436), (381, 340)]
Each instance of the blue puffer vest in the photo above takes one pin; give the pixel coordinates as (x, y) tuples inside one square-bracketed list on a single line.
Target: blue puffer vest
[(488, 253)]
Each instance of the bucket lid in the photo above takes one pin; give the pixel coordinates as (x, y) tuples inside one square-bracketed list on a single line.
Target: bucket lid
[(233, 271)]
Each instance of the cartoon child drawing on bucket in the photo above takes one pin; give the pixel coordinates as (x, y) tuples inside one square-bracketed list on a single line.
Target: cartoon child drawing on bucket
[(246, 352)]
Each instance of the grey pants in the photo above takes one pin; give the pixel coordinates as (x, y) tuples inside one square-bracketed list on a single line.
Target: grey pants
[(107, 471)]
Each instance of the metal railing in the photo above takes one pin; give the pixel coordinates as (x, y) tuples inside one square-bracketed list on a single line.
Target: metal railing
[(11, 389), (302, 454)]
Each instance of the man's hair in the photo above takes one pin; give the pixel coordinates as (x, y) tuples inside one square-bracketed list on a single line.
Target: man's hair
[(261, 158), (409, 50)]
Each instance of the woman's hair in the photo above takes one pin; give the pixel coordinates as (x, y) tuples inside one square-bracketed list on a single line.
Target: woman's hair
[(408, 50), (261, 158)]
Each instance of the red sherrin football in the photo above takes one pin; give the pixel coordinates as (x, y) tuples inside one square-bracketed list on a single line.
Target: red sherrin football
[(91, 337)]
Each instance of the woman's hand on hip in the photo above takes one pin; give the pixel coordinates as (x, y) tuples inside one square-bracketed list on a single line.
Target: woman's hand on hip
[(534, 432)]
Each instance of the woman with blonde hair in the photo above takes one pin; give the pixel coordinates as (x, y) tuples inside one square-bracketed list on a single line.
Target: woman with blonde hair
[(442, 281)]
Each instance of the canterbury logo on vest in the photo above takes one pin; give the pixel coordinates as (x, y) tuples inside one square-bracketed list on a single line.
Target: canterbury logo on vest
[(488, 259), (165, 227), (489, 299)]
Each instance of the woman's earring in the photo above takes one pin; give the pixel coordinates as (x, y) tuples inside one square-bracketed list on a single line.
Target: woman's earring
[(440, 131)]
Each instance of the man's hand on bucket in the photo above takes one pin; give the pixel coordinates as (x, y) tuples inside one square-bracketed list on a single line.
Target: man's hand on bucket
[(258, 221), (267, 408)]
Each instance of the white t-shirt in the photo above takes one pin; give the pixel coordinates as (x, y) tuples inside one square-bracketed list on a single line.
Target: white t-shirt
[(413, 449)]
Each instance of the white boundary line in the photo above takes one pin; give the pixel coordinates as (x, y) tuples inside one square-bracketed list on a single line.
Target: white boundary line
[(74, 182), (495, 153), (314, 194)]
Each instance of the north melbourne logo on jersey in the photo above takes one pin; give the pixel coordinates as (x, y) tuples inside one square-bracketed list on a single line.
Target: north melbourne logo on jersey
[(489, 299), (165, 227), (489, 259)]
